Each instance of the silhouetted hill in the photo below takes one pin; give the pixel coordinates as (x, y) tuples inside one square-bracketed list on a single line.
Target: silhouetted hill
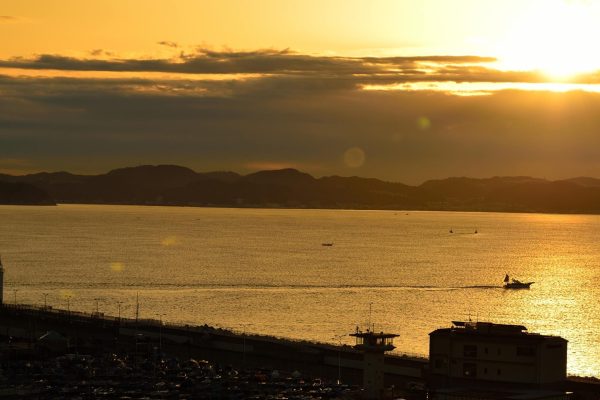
[(23, 193), (224, 176), (287, 177), (175, 185), (584, 181)]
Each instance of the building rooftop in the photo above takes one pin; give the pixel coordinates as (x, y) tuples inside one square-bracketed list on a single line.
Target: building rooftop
[(489, 329), (369, 334)]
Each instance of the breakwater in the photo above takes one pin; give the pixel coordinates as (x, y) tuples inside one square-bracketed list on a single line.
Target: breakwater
[(86, 333)]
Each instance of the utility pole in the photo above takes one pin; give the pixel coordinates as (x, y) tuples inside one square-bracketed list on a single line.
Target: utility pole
[(119, 307)]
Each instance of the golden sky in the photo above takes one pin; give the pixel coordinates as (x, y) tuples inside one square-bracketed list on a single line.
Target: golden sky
[(243, 84), (525, 33), (333, 26)]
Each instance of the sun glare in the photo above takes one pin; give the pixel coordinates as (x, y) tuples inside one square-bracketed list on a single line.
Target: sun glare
[(555, 37)]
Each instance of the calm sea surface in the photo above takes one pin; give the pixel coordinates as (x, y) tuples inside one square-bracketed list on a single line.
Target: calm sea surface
[(265, 271)]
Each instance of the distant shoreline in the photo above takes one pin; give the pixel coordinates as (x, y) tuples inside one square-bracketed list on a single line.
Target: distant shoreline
[(171, 185), (316, 208)]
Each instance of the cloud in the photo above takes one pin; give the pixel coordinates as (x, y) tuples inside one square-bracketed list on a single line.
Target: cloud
[(16, 166), (280, 62), (168, 44), (101, 52), (354, 71), (7, 19), (92, 125)]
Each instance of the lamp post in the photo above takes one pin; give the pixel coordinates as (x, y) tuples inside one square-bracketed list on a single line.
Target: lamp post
[(119, 308), (339, 340), (244, 348), (68, 297), (45, 302), (160, 332), (244, 333), (97, 307), (15, 294)]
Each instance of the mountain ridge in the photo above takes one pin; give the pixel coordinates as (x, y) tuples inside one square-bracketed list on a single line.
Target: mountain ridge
[(291, 188)]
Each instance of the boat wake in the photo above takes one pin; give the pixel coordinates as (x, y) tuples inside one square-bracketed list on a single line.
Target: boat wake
[(253, 286)]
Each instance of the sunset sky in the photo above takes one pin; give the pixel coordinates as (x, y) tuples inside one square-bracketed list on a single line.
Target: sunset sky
[(399, 90)]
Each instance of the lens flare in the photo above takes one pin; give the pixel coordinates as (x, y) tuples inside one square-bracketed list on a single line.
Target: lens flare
[(117, 266), (423, 123), (354, 157), (169, 241), (66, 294)]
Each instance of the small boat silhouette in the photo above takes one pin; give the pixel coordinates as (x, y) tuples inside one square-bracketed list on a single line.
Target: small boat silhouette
[(515, 284)]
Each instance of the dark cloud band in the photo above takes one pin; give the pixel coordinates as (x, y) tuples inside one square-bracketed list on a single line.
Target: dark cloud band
[(358, 70), (92, 124)]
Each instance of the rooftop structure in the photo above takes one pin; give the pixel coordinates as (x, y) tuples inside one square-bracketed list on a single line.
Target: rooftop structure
[(374, 342), (373, 345)]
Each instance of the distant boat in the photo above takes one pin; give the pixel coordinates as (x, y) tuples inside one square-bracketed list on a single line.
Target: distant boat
[(328, 244), (515, 284)]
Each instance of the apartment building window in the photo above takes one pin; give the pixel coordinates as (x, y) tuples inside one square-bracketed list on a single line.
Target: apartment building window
[(525, 351), (470, 370), (470, 350)]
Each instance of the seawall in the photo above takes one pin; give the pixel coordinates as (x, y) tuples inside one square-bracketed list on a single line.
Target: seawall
[(90, 332)]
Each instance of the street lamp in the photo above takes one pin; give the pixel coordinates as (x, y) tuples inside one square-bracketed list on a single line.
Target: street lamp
[(119, 308), (160, 331), (68, 297), (97, 308), (339, 339), (244, 348), (15, 293), (45, 303), (244, 333)]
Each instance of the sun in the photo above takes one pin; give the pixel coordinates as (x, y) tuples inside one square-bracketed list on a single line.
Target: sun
[(554, 37)]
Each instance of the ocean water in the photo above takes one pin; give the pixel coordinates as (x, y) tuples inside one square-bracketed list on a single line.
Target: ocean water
[(266, 271)]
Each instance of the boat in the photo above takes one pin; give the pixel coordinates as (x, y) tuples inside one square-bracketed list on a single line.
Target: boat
[(328, 244), (515, 283)]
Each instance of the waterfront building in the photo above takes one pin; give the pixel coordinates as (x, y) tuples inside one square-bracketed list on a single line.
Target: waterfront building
[(373, 345), (488, 355)]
